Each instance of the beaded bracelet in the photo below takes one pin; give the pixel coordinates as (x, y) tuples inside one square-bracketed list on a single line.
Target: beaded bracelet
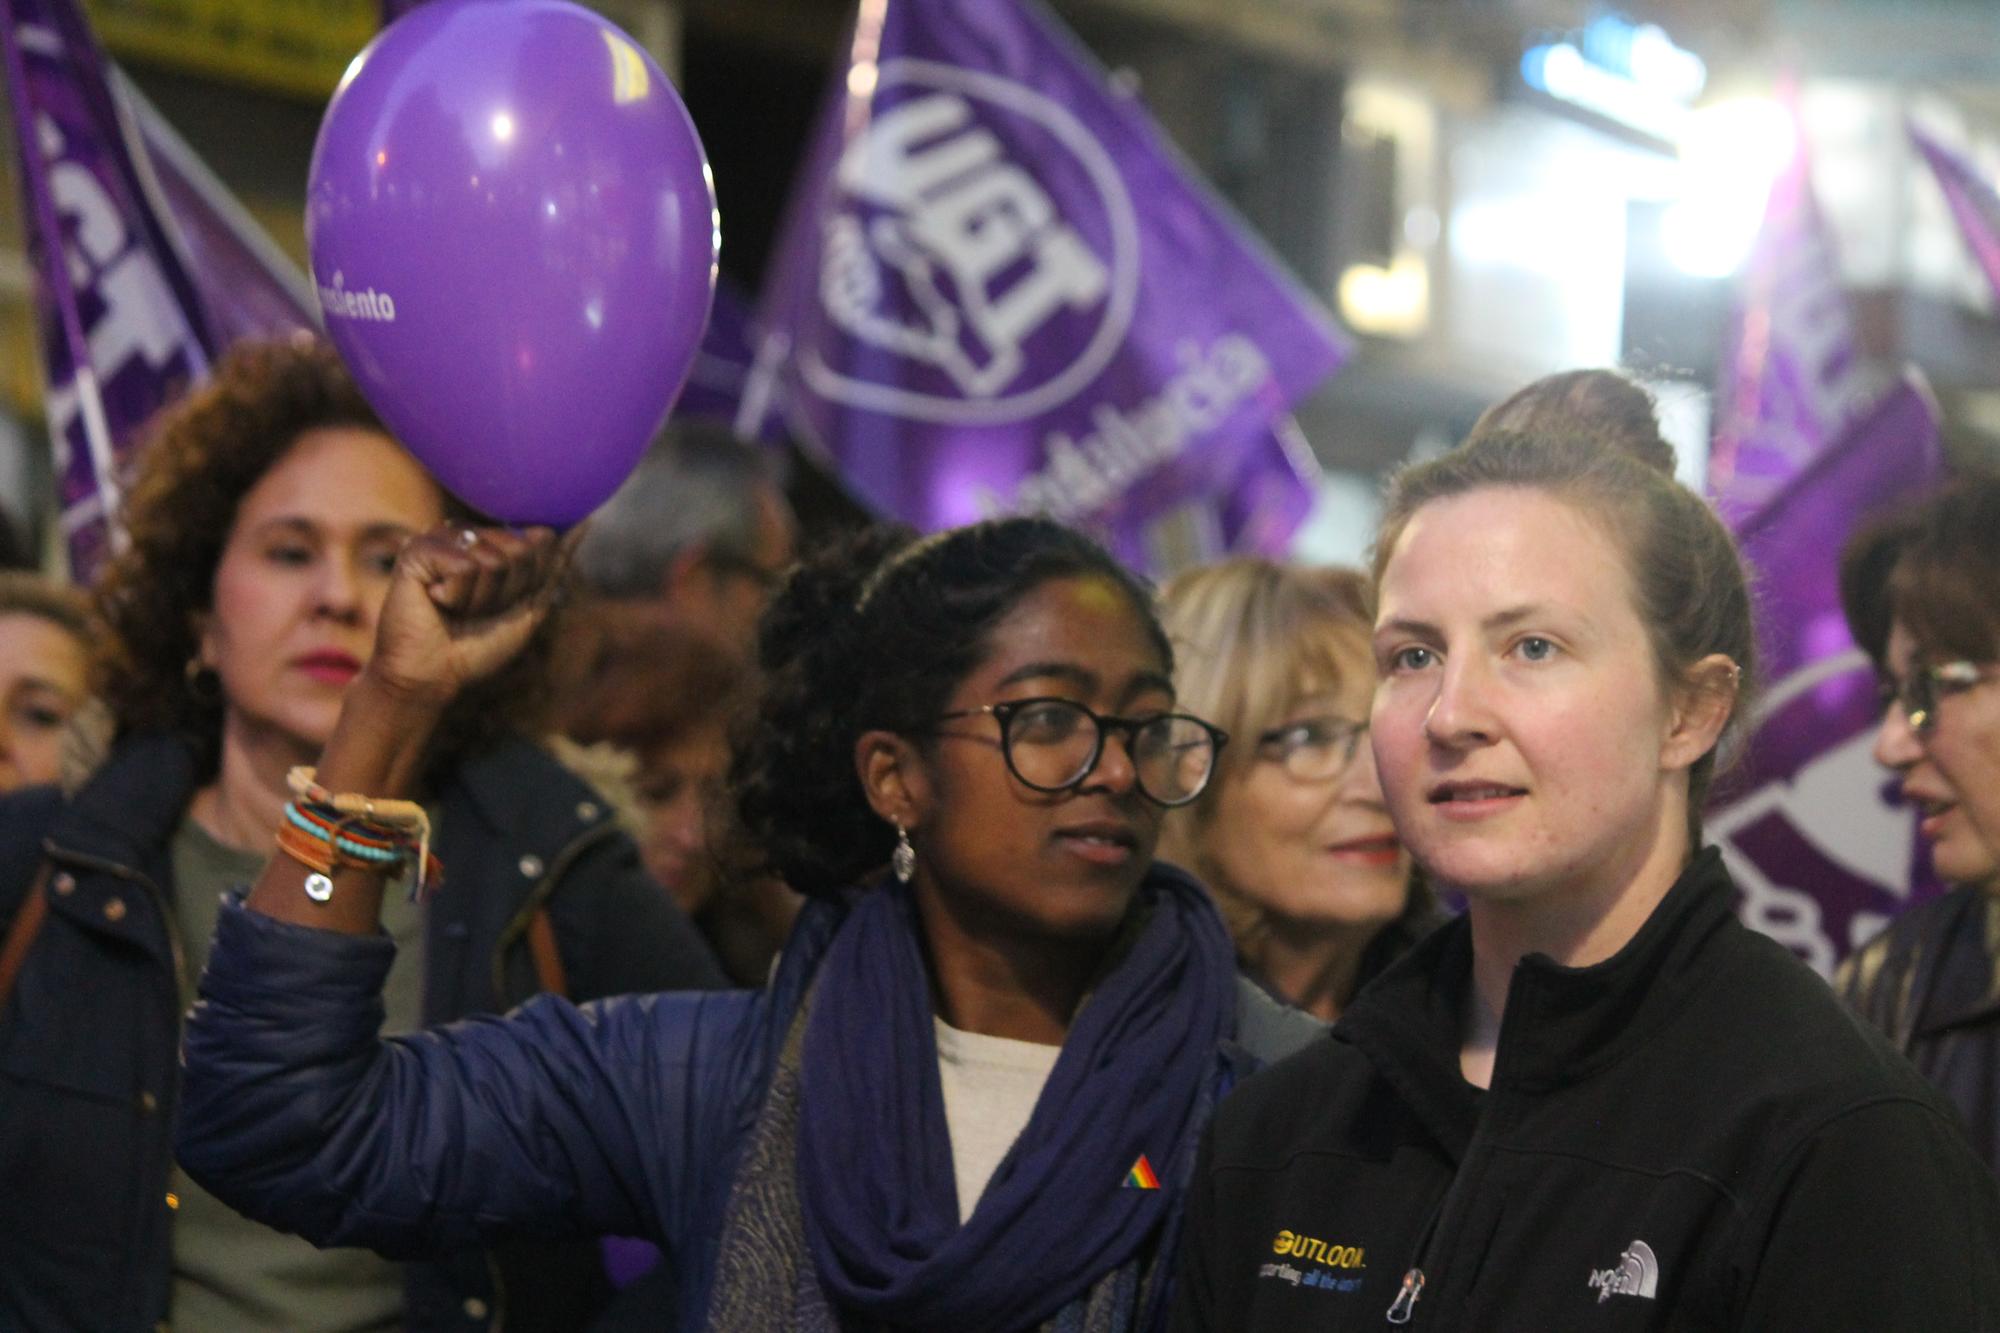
[(315, 856), (366, 848), (344, 828), (322, 851)]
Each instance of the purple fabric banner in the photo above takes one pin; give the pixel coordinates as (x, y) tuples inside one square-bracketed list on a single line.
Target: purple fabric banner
[(998, 289), (1793, 379), (721, 370), (1972, 199), (1822, 851), (121, 329), (249, 288), (122, 321)]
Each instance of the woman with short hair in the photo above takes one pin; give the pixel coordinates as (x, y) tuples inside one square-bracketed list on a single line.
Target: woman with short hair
[(1292, 837), (1922, 594), (46, 639)]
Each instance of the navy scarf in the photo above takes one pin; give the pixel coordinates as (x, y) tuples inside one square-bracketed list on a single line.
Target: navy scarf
[(874, 1157)]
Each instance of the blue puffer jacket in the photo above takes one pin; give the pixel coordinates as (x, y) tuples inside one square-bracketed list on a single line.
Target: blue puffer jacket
[(626, 1116), (89, 1083)]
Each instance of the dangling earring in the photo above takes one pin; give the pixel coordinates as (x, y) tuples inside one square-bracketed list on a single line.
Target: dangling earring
[(904, 859), (202, 681)]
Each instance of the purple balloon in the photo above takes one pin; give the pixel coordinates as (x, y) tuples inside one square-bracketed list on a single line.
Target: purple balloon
[(513, 235)]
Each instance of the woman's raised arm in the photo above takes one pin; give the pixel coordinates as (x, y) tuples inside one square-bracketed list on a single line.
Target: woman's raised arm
[(555, 1120)]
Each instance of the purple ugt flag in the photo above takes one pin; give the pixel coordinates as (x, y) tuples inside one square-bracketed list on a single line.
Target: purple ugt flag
[(1821, 850), (121, 318), (1793, 380), (121, 330), (998, 290), (1972, 199)]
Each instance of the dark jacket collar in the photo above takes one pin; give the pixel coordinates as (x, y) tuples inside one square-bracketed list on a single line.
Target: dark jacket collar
[(1562, 1023), (127, 810), (1958, 975), (518, 791)]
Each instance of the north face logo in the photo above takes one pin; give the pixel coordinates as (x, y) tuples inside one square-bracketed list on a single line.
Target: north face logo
[(1637, 1274)]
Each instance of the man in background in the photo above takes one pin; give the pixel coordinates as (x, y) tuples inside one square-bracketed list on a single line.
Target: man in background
[(696, 539), (676, 568)]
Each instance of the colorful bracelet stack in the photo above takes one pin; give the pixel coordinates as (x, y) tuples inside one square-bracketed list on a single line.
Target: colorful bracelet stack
[(327, 831)]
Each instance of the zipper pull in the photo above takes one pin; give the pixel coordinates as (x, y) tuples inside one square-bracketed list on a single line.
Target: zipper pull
[(1406, 1299)]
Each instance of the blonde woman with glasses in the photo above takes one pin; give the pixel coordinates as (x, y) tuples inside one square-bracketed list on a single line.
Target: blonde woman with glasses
[(1292, 836)]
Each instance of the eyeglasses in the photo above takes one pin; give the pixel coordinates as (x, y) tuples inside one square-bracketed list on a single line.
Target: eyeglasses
[(1053, 745), (1921, 691), (1313, 749)]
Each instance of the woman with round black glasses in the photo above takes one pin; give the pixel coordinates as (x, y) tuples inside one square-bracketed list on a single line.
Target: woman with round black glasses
[(1292, 837), (969, 1096)]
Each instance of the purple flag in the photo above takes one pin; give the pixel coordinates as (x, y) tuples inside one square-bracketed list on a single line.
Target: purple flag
[(1821, 850), (121, 331), (998, 289), (248, 287), (721, 371), (122, 322), (1793, 380), (1972, 200)]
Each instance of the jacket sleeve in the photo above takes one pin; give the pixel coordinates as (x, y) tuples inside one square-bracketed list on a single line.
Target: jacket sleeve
[(555, 1120), (1883, 1219), (621, 933), (1193, 1309)]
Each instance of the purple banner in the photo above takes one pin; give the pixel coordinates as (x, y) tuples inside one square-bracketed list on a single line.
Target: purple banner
[(122, 324), (998, 289), (248, 286), (1972, 199), (721, 371), (120, 330), (1793, 379), (1821, 849)]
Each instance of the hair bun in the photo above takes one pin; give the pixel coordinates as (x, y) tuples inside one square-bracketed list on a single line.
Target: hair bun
[(820, 597), (1609, 409)]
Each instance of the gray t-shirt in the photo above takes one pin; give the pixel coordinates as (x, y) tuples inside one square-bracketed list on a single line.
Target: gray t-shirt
[(231, 1273)]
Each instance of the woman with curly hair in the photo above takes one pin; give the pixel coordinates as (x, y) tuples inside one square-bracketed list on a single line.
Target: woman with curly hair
[(968, 1098), (262, 529), (45, 644)]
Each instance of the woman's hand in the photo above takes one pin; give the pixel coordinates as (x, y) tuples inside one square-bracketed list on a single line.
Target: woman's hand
[(463, 601), (461, 604)]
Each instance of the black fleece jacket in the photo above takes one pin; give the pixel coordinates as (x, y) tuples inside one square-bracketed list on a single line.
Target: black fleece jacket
[(1690, 1135)]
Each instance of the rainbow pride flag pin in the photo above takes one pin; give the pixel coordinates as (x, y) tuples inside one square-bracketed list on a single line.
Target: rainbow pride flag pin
[(1141, 1176)]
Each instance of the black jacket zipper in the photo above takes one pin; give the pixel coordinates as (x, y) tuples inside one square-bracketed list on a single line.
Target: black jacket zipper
[(1415, 1279), (1405, 1304)]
